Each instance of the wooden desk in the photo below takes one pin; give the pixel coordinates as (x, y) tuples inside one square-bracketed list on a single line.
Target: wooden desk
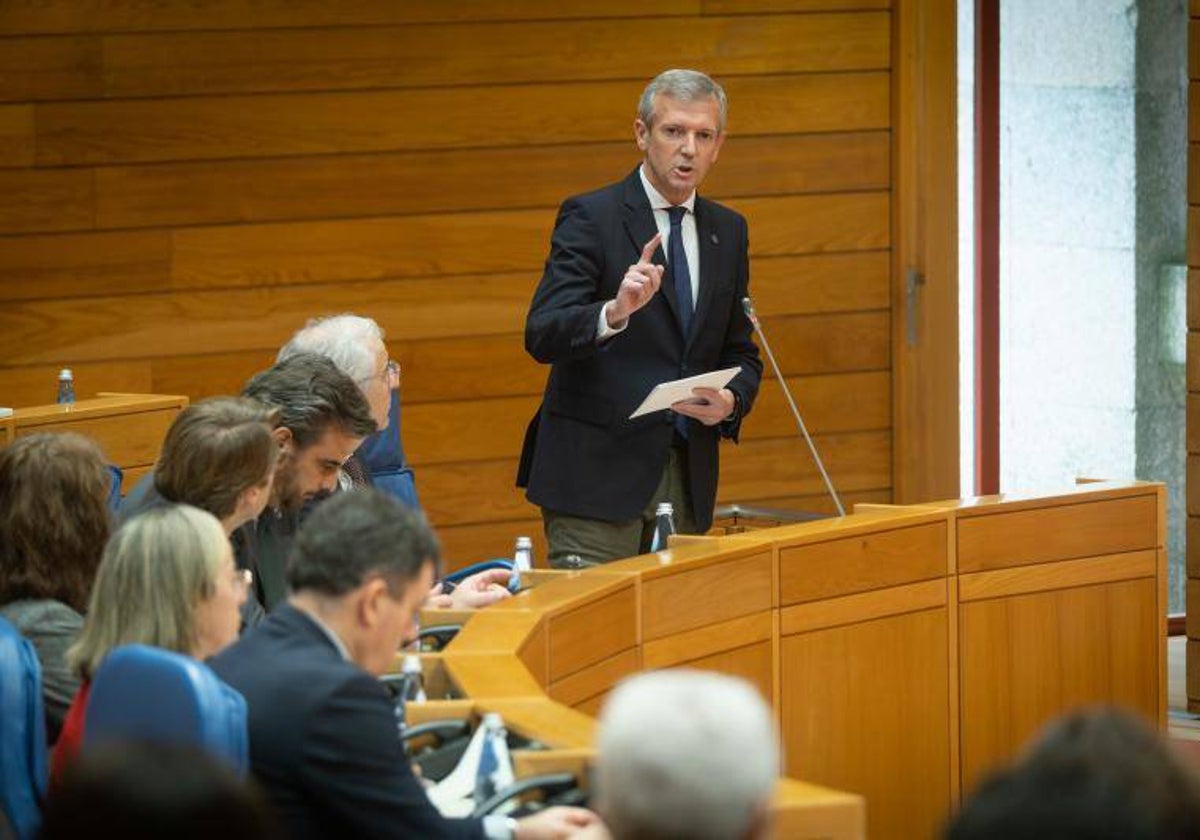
[(129, 427), (905, 650)]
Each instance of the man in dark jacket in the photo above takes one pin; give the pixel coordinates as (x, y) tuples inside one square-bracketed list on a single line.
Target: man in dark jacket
[(323, 739)]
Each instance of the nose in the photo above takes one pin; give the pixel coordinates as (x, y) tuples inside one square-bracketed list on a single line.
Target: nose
[(689, 144)]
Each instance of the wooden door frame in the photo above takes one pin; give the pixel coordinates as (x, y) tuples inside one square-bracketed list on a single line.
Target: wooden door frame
[(925, 399)]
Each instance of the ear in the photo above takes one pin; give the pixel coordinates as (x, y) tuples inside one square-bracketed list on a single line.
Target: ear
[(641, 133), (717, 146), (370, 602), (283, 437)]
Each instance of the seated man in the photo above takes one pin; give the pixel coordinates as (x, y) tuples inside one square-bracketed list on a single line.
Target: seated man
[(1091, 776), (323, 738), (685, 755), (355, 345), (323, 417)]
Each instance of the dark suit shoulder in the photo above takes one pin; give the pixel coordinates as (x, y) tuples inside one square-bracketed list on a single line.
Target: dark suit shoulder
[(719, 212)]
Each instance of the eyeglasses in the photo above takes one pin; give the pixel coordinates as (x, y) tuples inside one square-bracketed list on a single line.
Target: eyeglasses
[(390, 374)]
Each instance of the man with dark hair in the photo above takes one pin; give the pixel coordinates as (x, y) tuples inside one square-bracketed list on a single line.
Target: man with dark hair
[(323, 417), (323, 739), (1099, 775)]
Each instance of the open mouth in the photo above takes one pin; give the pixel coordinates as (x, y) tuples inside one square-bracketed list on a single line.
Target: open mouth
[(684, 170)]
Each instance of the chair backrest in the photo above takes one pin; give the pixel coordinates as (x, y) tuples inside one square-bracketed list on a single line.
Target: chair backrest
[(383, 455), (149, 694), (22, 733)]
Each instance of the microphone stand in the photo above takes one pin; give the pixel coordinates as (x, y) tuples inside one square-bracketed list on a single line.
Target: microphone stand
[(748, 307)]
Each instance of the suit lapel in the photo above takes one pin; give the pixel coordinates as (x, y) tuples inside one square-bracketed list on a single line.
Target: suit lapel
[(640, 225)]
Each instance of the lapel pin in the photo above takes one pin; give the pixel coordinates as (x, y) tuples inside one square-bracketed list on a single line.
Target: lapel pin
[(715, 241)]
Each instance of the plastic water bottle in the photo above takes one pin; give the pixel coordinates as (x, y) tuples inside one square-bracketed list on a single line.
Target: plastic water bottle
[(66, 387), (414, 679), (494, 771), (664, 525), (522, 562), (411, 690), (523, 555)]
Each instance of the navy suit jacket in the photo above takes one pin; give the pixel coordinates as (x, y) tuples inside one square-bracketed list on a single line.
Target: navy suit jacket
[(323, 739), (582, 455)]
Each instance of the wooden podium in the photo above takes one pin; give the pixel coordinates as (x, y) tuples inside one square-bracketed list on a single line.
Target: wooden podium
[(905, 650), (128, 427)]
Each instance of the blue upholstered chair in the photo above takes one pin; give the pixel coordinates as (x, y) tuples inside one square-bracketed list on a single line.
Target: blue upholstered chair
[(148, 694), (22, 733)]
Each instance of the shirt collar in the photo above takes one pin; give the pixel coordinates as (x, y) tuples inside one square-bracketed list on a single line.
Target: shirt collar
[(333, 637), (657, 202)]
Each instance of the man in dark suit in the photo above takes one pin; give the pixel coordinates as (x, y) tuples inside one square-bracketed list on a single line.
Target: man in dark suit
[(643, 284), (323, 739)]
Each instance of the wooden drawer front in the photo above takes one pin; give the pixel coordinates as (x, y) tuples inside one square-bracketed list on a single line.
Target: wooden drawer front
[(862, 563), (597, 679), (1027, 659), (592, 632), (708, 595), (1062, 532), (128, 440)]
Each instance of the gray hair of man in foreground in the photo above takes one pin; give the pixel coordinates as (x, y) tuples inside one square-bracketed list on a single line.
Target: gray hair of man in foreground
[(686, 754), (349, 340)]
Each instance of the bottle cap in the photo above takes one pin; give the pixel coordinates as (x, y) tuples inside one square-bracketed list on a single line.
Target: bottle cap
[(65, 373), (665, 507), (493, 720), (524, 542), (411, 664)]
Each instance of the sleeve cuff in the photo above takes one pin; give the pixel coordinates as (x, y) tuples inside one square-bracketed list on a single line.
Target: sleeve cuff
[(603, 330)]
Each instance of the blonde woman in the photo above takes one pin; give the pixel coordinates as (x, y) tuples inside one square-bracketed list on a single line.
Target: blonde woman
[(167, 579)]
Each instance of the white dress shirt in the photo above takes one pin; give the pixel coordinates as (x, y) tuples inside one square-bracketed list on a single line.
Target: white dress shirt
[(691, 245)]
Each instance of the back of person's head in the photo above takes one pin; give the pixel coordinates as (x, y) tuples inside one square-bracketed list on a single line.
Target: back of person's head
[(216, 450), (153, 790), (355, 535), (1094, 775), (685, 754), (53, 517), (312, 396), (349, 341), (156, 570)]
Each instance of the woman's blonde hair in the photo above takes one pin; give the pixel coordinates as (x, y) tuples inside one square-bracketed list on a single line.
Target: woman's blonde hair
[(155, 571)]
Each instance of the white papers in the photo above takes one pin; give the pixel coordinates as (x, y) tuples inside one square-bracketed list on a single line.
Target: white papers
[(666, 393)]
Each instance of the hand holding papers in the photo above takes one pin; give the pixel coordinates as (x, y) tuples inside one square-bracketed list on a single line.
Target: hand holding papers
[(665, 394)]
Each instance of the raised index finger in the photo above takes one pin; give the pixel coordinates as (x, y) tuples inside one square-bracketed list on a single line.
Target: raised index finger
[(651, 247)]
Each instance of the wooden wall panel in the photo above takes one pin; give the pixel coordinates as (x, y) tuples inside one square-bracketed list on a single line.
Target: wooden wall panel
[(213, 127), (182, 185), (58, 16), (315, 187), (435, 55)]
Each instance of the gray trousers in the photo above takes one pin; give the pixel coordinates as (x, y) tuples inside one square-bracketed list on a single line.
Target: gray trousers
[(599, 541)]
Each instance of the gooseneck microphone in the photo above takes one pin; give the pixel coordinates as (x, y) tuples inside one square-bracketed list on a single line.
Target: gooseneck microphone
[(748, 307)]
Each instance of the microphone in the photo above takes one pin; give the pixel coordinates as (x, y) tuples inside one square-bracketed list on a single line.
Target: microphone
[(748, 308)]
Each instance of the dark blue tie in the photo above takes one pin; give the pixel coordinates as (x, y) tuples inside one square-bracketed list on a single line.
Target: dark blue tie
[(682, 278), (677, 258)]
